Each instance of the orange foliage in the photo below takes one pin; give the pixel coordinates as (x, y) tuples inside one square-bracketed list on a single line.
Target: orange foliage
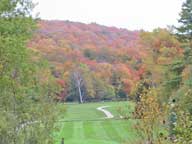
[(104, 50)]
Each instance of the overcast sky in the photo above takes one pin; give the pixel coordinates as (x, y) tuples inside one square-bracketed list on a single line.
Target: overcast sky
[(130, 14)]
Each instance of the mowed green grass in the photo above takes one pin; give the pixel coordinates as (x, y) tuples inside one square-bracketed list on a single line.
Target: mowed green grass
[(84, 124)]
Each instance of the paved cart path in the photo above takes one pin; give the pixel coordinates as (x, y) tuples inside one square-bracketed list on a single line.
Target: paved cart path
[(106, 112)]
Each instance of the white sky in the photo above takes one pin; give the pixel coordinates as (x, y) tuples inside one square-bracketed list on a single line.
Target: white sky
[(130, 14)]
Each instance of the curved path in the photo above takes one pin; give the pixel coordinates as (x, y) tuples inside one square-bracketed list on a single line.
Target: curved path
[(106, 112)]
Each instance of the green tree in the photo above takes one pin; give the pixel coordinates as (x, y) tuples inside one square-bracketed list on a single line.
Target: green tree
[(185, 30), (182, 96), (26, 106)]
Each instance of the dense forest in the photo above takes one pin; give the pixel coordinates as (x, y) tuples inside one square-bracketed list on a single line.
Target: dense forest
[(103, 63), (45, 63)]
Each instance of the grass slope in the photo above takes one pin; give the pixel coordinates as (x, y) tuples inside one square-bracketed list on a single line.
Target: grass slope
[(85, 125)]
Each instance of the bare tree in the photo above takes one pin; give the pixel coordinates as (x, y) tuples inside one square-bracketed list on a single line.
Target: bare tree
[(79, 83)]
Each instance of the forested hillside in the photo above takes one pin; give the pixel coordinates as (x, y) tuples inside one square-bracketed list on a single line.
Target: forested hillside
[(95, 62), (102, 61)]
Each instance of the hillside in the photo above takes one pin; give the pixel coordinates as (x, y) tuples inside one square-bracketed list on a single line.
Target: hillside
[(90, 39), (108, 61), (83, 34), (106, 51)]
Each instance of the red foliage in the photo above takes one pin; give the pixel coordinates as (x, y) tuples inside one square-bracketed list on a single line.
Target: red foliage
[(103, 49)]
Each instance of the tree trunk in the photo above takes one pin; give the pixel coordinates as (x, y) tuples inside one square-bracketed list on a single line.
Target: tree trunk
[(80, 94), (79, 80)]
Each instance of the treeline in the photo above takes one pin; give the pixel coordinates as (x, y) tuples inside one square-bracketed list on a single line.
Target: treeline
[(94, 73), (94, 62), (91, 62)]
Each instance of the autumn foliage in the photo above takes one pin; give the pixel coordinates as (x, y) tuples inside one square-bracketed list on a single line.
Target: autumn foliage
[(113, 58)]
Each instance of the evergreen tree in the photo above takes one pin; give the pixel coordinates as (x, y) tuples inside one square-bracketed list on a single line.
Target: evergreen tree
[(185, 30), (182, 104)]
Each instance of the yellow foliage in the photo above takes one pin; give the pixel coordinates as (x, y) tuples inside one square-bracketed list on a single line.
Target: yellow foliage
[(151, 114)]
